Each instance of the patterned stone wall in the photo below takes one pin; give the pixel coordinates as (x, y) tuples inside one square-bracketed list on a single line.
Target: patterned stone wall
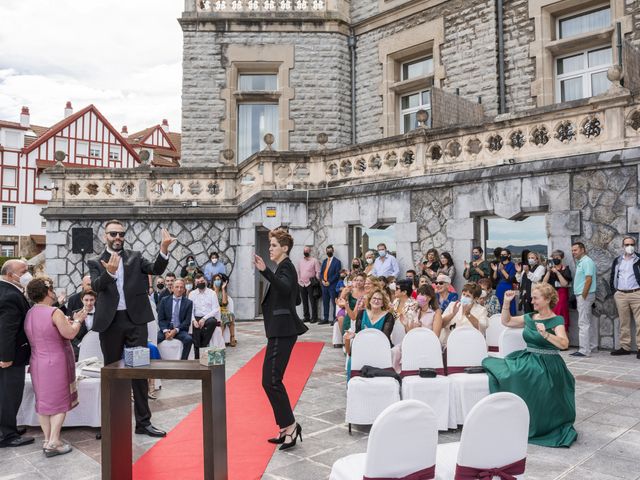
[(431, 209)]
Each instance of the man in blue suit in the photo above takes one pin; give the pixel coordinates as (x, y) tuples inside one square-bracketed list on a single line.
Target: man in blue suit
[(329, 276), (174, 317)]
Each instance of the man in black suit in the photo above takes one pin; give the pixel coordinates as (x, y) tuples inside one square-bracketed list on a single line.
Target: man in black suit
[(120, 278), (74, 302), (88, 302), (14, 350), (174, 318)]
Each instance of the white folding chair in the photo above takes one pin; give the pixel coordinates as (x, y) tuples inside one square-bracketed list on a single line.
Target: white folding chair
[(422, 349), (336, 338), (90, 347), (403, 440), (368, 397), (511, 340), (492, 334), (398, 333), (466, 347), (152, 332), (494, 436)]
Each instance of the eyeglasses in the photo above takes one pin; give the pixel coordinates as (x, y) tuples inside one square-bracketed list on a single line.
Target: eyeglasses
[(377, 299), (116, 234)]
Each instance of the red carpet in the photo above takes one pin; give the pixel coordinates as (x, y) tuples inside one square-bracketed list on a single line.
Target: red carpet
[(250, 422)]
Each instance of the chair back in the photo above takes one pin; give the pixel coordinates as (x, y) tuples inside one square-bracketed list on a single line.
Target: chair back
[(421, 348), (370, 347), (152, 332), (90, 347), (511, 340), (403, 440), (230, 304), (493, 332), (495, 432), (398, 333), (466, 347)]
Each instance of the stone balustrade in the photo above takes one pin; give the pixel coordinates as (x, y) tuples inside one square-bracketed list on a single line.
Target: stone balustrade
[(604, 123), (261, 6)]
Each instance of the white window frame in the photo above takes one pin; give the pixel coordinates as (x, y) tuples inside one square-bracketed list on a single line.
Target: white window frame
[(15, 177), (93, 149), (585, 73), (5, 252), (416, 60), (414, 109), (64, 142), (114, 154), (13, 140), (579, 13), (80, 143), (11, 219)]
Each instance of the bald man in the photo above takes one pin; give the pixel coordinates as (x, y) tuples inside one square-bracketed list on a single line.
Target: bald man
[(14, 349)]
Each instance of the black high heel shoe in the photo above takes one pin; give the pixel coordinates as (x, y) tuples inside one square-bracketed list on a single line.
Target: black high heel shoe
[(277, 440), (297, 432)]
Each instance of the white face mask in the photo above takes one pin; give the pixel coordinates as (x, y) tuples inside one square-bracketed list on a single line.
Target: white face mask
[(466, 301), (629, 249), (532, 262), (483, 294), (214, 260), (188, 287), (25, 278), (392, 286), (369, 261)]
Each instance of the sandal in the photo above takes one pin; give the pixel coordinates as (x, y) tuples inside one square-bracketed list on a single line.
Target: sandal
[(61, 449), (233, 342)]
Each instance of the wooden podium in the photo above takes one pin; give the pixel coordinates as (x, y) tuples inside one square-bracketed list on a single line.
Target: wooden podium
[(116, 413)]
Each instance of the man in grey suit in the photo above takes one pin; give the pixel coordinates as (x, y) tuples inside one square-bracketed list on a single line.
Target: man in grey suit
[(120, 278)]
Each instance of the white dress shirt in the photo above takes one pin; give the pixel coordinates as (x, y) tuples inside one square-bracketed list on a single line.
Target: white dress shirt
[(626, 277), (387, 267), (205, 304), (88, 322)]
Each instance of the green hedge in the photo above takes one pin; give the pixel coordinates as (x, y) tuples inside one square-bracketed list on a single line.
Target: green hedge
[(4, 259)]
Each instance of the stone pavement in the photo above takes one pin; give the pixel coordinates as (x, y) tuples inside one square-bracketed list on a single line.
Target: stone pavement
[(608, 423)]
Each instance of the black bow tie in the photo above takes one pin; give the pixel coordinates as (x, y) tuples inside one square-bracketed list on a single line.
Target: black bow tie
[(89, 314)]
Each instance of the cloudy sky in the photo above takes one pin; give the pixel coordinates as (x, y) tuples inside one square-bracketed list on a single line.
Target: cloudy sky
[(124, 56)]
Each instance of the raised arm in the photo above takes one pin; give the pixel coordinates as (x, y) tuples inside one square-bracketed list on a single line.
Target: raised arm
[(507, 319)]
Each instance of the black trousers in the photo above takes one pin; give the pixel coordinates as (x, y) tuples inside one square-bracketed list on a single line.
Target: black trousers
[(124, 333), (275, 363), (11, 388), (202, 336), (307, 296)]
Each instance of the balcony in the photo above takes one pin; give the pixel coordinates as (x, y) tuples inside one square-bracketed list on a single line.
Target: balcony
[(261, 6)]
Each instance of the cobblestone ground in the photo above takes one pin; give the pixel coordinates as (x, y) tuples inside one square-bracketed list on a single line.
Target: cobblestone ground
[(608, 423)]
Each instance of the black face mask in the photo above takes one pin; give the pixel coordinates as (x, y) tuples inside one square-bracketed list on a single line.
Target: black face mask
[(160, 286), (557, 261), (343, 277), (329, 254), (307, 254), (355, 266), (201, 286), (504, 258)]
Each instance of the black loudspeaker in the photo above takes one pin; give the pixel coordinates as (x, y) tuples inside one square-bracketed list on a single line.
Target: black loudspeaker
[(81, 240)]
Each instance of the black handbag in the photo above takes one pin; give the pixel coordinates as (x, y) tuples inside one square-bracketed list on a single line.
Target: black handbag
[(368, 371)]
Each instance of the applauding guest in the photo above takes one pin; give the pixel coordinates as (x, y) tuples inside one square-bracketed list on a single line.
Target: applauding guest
[(478, 267), (504, 275), (465, 313), (528, 275), (175, 314), (559, 276)]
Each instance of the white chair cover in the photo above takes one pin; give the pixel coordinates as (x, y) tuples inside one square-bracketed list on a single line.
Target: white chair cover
[(493, 332), (336, 338), (511, 340), (90, 347), (466, 347), (172, 350), (495, 434), (398, 333), (152, 332), (403, 440), (368, 397), (422, 349)]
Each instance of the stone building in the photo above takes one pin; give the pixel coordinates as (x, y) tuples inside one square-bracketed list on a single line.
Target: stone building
[(309, 114)]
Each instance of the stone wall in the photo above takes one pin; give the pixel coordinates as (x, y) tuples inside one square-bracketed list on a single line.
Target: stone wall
[(431, 209), (361, 9)]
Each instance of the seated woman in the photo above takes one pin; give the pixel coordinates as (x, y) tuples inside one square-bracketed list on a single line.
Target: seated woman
[(488, 298), (227, 317), (405, 308), (353, 294), (465, 313), (429, 313), (444, 295), (538, 374)]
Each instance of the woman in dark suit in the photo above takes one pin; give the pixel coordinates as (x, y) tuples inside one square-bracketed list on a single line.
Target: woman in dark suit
[(282, 327)]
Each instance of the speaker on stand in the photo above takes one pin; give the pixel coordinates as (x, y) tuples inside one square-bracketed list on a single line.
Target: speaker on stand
[(82, 242)]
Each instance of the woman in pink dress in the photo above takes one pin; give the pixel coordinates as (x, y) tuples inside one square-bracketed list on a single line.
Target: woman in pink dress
[(52, 363)]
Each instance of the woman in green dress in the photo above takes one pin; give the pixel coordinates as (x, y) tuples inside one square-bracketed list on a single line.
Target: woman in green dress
[(538, 374)]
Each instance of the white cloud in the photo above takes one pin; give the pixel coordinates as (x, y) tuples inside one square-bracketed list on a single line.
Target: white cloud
[(123, 56)]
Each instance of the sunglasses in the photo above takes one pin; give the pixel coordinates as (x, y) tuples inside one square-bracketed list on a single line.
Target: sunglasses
[(440, 283), (116, 234)]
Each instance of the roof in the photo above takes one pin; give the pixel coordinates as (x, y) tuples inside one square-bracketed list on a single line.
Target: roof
[(137, 138), (160, 161), (7, 124)]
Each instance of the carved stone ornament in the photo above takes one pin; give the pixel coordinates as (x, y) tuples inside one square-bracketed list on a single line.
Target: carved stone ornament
[(213, 188), (332, 170), (634, 120), (361, 165), (391, 159), (375, 162), (346, 168), (408, 157), (436, 152), (565, 131), (591, 128), (92, 189), (195, 187), (494, 143), (517, 140), (74, 189), (540, 136), (454, 149)]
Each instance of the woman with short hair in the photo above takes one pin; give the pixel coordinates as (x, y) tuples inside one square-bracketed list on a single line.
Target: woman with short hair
[(466, 312)]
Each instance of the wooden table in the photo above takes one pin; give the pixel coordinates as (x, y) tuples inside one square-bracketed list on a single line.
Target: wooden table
[(116, 414)]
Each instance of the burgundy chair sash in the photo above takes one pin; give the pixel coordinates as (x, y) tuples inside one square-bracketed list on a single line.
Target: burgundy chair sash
[(505, 473), (452, 370), (358, 373), (494, 348), (412, 373), (424, 474)]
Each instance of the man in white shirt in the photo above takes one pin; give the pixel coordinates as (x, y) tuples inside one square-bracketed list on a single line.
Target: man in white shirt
[(88, 300), (386, 264), (206, 313), (625, 282)]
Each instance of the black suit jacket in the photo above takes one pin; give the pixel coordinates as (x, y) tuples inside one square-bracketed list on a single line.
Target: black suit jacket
[(279, 303), (165, 310), (14, 345), (74, 303), (136, 288)]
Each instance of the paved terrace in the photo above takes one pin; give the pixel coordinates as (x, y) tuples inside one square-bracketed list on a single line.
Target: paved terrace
[(608, 423)]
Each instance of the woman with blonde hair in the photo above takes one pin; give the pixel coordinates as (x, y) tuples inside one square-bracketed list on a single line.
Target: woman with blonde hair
[(538, 374), (376, 314)]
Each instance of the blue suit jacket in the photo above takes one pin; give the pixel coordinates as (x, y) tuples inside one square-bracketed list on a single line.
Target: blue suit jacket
[(333, 275), (165, 310)]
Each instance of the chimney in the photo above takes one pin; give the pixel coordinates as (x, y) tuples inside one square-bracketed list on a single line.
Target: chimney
[(68, 110), (25, 117), (125, 132), (165, 124)]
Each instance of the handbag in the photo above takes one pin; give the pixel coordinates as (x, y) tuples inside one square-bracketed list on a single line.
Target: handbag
[(368, 371)]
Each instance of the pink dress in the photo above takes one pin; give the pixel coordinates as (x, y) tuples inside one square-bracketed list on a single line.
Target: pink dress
[(52, 364)]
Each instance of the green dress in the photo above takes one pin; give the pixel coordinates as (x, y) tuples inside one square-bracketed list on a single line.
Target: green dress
[(541, 378)]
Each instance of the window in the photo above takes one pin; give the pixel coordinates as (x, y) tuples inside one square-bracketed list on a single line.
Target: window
[(409, 106), (254, 122), (8, 215), (114, 153), (515, 235), (9, 177), (417, 68), (363, 239), (8, 250), (257, 82), (62, 145), (95, 151), (584, 22), (12, 139), (82, 148), (583, 74)]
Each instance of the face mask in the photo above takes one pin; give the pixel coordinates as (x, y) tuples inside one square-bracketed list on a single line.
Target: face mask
[(422, 301), (484, 294), (355, 266), (343, 277), (392, 286), (369, 261), (557, 261), (201, 286), (189, 287), (476, 257), (348, 283), (214, 260), (629, 249), (160, 286), (532, 262), (466, 301), (191, 263), (504, 257), (217, 283), (329, 254), (25, 278), (382, 253), (307, 254)]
